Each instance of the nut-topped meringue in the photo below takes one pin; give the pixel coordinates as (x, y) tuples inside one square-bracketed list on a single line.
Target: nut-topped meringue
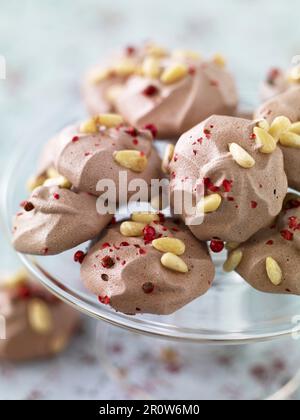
[(235, 175), (172, 89), (56, 219), (38, 325), (270, 259), (282, 114), (184, 93), (151, 266), (101, 148)]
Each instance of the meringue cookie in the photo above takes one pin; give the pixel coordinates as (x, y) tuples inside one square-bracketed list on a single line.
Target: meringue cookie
[(54, 220), (38, 325), (86, 159), (128, 274), (247, 199), (279, 243), (288, 105), (176, 107)]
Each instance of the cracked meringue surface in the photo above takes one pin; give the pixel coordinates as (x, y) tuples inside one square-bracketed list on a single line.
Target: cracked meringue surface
[(279, 246), (239, 200), (54, 220), (128, 274), (287, 104)]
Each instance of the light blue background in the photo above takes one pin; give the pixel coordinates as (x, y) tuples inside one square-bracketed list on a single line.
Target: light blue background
[(48, 44)]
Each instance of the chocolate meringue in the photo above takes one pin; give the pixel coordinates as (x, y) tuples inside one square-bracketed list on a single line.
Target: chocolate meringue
[(86, 158), (270, 259), (243, 188), (134, 274), (288, 105), (205, 88), (55, 219), (37, 325)]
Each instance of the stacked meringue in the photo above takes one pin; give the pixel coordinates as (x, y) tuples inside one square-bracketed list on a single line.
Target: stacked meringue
[(235, 171), (175, 90)]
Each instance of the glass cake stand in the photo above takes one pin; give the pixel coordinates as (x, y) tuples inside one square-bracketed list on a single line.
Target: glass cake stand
[(222, 329)]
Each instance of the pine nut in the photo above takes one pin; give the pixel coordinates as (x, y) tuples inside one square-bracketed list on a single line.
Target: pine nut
[(60, 181), (295, 128), (264, 125), (89, 127), (99, 76), (174, 263), (242, 158), (173, 245), (233, 261), (124, 68), (151, 68), (232, 245), (186, 55), (17, 279), (279, 126), (145, 217), (209, 204), (274, 271), (219, 60), (132, 229), (109, 120), (39, 317), (290, 140), (174, 74), (131, 159), (35, 182), (265, 141), (156, 51)]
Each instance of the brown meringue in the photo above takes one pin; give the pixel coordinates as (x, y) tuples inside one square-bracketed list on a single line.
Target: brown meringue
[(174, 108), (128, 272), (276, 246), (38, 325), (288, 105), (246, 198), (54, 220), (85, 159)]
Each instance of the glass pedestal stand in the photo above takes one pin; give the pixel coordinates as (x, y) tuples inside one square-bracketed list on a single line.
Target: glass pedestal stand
[(209, 349)]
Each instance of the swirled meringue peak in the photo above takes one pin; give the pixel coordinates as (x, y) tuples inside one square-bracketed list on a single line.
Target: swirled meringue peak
[(270, 259), (154, 268), (184, 94), (38, 325), (91, 152), (286, 105), (54, 220), (235, 188)]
